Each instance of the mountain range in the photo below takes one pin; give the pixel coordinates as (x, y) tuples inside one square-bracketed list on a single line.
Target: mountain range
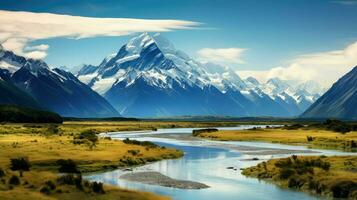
[(340, 101), (149, 77), (31, 83)]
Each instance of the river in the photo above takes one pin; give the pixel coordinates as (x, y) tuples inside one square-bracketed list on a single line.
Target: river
[(207, 162)]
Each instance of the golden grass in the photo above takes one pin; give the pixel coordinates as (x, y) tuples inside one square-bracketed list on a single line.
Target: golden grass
[(321, 138), (324, 182), (36, 179), (44, 149)]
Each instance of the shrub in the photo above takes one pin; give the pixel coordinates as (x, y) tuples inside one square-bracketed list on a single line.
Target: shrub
[(337, 126), (2, 173), (285, 173), (206, 130), (296, 182), (20, 164), (309, 138), (293, 127), (87, 136), (70, 179), (343, 189), (134, 152), (78, 182), (97, 187), (14, 180), (67, 166), (52, 129), (45, 190), (50, 185), (143, 143), (90, 135)]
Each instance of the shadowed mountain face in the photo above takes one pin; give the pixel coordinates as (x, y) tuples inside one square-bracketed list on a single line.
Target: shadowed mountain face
[(54, 90), (338, 102), (11, 95), (149, 77)]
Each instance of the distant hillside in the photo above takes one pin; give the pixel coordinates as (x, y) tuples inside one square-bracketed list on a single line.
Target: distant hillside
[(338, 102), (54, 89), (10, 94), (10, 113)]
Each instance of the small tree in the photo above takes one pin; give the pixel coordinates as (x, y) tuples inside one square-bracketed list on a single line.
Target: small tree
[(20, 164), (67, 166)]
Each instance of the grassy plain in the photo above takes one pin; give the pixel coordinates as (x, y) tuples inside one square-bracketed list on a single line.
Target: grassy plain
[(45, 144), (317, 138)]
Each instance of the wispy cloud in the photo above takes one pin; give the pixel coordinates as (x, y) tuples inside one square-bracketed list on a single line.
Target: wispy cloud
[(223, 56), (17, 29), (323, 67)]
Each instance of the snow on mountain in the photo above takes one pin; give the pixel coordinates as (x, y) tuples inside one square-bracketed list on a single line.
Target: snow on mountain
[(52, 89), (149, 68), (277, 88), (311, 87)]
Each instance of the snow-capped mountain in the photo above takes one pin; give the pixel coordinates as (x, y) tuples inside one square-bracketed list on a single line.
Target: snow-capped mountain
[(51, 89), (149, 77), (281, 90)]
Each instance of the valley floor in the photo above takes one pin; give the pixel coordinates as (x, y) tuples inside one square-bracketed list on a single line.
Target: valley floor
[(43, 145)]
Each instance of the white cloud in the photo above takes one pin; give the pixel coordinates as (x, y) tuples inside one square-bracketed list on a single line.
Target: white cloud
[(323, 67), (41, 47), (223, 56), (19, 28), (36, 54)]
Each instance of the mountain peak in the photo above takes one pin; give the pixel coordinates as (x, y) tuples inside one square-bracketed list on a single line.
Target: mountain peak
[(275, 81), (136, 44), (252, 80)]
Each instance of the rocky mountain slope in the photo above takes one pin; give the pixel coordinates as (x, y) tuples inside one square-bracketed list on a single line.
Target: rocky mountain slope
[(338, 102)]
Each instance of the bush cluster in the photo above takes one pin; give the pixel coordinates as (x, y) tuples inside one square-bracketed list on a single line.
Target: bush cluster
[(20, 164), (134, 152), (335, 125), (88, 137), (96, 187), (67, 166), (141, 143), (293, 127), (205, 130), (14, 180), (2, 173)]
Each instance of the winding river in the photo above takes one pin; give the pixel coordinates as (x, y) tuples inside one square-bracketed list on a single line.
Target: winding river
[(216, 164)]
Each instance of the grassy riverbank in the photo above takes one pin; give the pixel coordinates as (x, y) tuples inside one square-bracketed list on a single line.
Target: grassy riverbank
[(110, 126), (313, 138), (43, 145), (330, 176)]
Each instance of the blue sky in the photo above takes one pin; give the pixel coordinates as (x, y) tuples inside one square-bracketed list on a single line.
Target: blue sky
[(273, 33)]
